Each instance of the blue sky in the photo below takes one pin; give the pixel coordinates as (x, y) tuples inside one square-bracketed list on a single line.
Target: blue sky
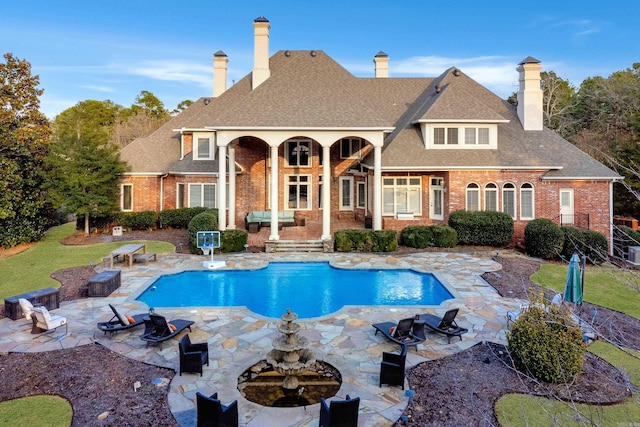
[(115, 49)]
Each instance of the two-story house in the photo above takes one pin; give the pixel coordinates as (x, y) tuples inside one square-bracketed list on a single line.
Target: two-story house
[(300, 133)]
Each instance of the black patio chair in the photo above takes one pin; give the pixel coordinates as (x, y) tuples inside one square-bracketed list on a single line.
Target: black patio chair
[(392, 368), (445, 325), (402, 333), (339, 413), (212, 413), (192, 355)]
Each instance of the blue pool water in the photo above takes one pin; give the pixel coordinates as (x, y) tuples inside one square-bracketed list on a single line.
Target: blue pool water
[(309, 288)]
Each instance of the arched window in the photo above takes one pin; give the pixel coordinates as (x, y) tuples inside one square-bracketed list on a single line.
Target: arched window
[(509, 199), (527, 205), (473, 197), (491, 197)]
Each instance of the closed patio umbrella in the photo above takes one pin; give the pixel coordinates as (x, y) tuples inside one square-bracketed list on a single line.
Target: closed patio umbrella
[(573, 287)]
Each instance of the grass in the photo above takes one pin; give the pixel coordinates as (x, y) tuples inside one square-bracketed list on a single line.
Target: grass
[(603, 286), (31, 269), (521, 409), (36, 411)]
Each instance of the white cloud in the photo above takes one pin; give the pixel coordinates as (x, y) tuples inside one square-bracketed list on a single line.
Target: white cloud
[(99, 88), (173, 70)]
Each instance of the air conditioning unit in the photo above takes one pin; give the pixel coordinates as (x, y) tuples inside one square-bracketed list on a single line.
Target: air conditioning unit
[(634, 254)]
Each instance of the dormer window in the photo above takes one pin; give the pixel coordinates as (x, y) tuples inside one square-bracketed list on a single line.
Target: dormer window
[(203, 146), (460, 135)]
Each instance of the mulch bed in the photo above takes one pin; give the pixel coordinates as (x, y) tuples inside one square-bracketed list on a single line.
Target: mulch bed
[(457, 390)]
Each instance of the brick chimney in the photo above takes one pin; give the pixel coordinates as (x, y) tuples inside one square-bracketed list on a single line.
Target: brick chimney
[(530, 94), (220, 61), (382, 64), (261, 70)]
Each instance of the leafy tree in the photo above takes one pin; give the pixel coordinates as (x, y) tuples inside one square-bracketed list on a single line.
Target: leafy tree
[(148, 102), (24, 140), (85, 165), (145, 116), (183, 105)]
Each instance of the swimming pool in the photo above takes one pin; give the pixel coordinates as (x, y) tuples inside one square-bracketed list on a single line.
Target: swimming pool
[(310, 289)]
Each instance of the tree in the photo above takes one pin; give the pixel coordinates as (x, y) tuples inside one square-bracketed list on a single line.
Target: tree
[(24, 139), (558, 102), (183, 105), (85, 166), (148, 102), (145, 116)]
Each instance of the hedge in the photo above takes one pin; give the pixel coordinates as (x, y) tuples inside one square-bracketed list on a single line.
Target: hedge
[(483, 228), (425, 236), (366, 241)]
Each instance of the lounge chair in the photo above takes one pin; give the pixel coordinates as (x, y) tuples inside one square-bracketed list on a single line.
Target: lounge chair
[(392, 368), (212, 413), (119, 322), (402, 333), (445, 325), (343, 413), (159, 330), (44, 321), (192, 355), (26, 307)]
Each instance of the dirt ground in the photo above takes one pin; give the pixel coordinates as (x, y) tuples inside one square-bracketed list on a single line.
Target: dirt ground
[(458, 390)]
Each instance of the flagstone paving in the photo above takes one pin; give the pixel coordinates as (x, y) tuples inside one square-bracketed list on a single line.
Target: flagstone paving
[(238, 338)]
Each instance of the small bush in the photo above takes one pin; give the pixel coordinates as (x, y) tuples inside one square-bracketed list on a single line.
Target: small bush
[(179, 218), (205, 221), (484, 228), (587, 243), (543, 238), (546, 344), (144, 220), (233, 240), (365, 241), (425, 236)]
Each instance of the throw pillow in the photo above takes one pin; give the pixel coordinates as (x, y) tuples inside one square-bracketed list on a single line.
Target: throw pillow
[(130, 319), (172, 327)]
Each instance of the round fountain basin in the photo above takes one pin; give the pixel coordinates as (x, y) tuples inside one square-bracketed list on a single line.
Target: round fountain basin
[(263, 385)]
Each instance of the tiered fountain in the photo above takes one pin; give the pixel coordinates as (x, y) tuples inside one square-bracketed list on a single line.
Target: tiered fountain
[(290, 375), (290, 356)]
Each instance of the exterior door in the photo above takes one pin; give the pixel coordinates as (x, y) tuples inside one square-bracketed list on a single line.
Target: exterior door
[(566, 206), (436, 199)]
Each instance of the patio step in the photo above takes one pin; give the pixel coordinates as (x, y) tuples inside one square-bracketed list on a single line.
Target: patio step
[(294, 246)]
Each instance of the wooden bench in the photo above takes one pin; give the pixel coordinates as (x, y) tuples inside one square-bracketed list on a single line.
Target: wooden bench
[(144, 257), (102, 284), (48, 297)]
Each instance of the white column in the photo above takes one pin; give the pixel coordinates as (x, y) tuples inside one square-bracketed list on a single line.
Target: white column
[(232, 187), (377, 188), (274, 194), (222, 187), (326, 193)]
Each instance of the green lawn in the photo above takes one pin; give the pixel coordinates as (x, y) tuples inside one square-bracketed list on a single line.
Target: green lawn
[(31, 269), (604, 286), (36, 411)]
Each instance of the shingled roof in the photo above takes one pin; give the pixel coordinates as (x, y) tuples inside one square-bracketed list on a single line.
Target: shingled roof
[(308, 89)]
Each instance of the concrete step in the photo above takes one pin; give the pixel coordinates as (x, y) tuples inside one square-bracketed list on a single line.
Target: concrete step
[(294, 246)]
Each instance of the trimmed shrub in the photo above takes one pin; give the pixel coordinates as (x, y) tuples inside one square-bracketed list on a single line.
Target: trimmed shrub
[(483, 228), (543, 238), (144, 220), (179, 218), (587, 243), (546, 344), (97, 222), (205, 221), (365, 241), (233, 240), (425, 236)]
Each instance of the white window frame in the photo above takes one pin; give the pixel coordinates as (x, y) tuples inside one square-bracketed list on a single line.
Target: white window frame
[(361, 195), (490, 188), (436, 198), (197, 136), (353, 147), (288, 183), (472, 188), (122, 197), (201, 202), (509, 189), (180, 191), (393, 188), (300, 145), (527, 190), (485, 135), (345, 182)]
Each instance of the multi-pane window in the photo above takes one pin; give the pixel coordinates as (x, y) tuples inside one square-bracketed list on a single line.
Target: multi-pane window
[(297, 189), (204, 148), (350, 148), (476, 136), (298, 153), (526, 201), (509, 199), (491, 197), (346, 193), (473, 197), (401, 195), (445, 136), (202, 195), (126, 197)]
